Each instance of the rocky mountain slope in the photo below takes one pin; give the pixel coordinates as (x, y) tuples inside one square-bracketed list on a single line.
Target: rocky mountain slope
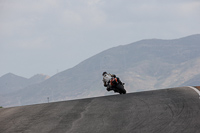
[(143, 65)]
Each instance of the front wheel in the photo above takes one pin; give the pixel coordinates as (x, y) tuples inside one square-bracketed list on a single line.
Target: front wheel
[(120, 89)]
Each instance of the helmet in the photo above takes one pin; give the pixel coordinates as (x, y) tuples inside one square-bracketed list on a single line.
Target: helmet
[(104, 73)]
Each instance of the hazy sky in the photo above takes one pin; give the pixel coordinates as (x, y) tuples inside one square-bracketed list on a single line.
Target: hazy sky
[(49, 36)]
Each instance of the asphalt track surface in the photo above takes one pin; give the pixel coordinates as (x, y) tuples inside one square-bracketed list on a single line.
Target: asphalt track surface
[(174, 110)]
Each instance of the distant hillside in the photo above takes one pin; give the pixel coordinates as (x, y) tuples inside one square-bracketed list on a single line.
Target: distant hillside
[(143, 65), (38, 78), (11, 83)]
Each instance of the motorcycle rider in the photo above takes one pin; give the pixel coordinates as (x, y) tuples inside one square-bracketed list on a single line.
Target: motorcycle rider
[(110, 81)]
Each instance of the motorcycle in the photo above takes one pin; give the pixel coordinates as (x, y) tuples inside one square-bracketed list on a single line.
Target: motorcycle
[(117, 86)]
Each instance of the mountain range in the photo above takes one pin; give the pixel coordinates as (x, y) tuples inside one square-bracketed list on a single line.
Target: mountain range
[(144, 65), (10, 82)]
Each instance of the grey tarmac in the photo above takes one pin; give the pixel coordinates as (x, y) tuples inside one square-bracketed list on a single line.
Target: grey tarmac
[(173, 110)]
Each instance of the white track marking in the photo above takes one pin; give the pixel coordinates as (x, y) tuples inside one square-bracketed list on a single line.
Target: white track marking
[(195, 90)]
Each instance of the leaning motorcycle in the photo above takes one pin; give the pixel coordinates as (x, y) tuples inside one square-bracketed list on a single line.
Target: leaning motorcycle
[(117, 86)]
